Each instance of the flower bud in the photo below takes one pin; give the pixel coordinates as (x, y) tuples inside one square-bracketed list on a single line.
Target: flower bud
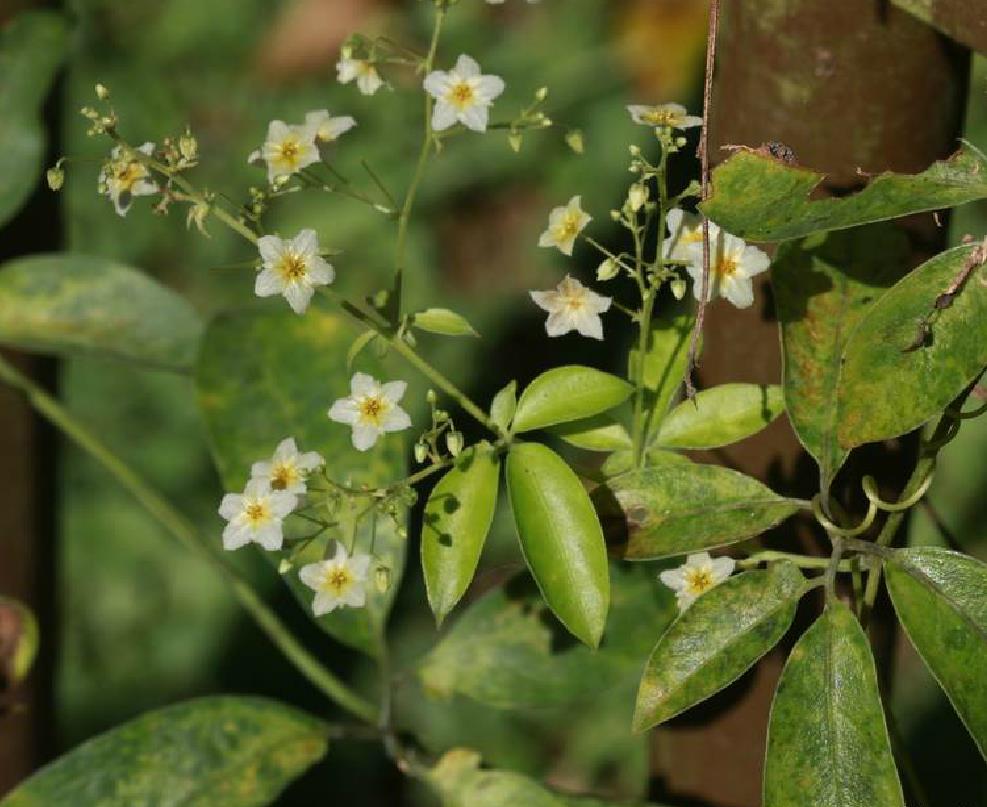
[(421, 453), (615, 215), (678, 287), (635, 151), (431, 397), (188, 147), (55, 177), (637, 196), (607, 270), (102, 93), (454, 442), (542, 94), (382, 579), (284, 566), (515, 140), (574, 140)]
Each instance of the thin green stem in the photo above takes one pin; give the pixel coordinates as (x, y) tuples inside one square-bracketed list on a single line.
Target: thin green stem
[(182, 530), (802, 561)]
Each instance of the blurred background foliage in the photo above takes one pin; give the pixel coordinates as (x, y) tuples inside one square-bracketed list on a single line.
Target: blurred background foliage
[(145, 625)]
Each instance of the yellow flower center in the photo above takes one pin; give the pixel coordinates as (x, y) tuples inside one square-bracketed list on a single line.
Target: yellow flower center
[(257, 513), (292, 267), (127, 174), (660, 117), (283, 476), (574, 302), (691, 235), (727, 266), (698, 581), (568, 228), (337, 580), (372, 409), (461, 95)]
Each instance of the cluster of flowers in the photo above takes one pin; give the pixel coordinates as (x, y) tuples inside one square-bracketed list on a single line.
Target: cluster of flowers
[(257, 516)]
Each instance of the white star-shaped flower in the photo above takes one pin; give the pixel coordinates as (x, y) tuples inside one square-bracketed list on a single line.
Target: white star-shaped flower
[(348, 69), (696, 576), (564, 224), (337, 583), (572, 307), (371, 409), (122, 178), (288, 469), (732, 264), (286, 150), (463, 95), (255, 515), (685, 230), (673, 116), (327, 128), (292, 268)]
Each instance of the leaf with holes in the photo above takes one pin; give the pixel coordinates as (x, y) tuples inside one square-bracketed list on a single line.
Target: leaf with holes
[(941, 600), (763, 199), (234, 751), (283, 387), (716, 640), (457, 518), (70, 304), (894, 380), (678, 507), (561, 538), (824, 286), (720, 416), (827, 734)]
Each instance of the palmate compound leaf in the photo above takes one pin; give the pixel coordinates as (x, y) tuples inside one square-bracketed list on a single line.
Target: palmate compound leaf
[(763, 199), (561, 538), (32, 47), (824, 286), (718, 638), (677, 506), (565, 394), (457, 518), (263, 376), (827, 741), (69, 304), (896, 374), (233, 751), (720, 416), (507, 651), (941, 599)]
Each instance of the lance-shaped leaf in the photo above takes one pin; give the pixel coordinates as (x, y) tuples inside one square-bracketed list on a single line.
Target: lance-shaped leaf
[(68, 304), (720, 416), (913, 354), (504, 405), (763, 199), (457, 519), (443, 322), (600, 433), (720, 636), (823, 287), (666, 356), (941, 600), (827, 740), (680, 507), (507, 652), (561, 539), (234, 751), (32, 48), (568, 393), (265, 376)]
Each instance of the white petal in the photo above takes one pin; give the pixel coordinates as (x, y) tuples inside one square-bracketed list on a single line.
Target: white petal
[(723, 567), (231, 504), (341, 556), (360, 565), (369, 81), (324, 603), (546, 300), (320, 273), (443, 116), (466, 66), (698, 560), (490, 87), (346, 70), (362, 385), (753, 261), (298, 295), (559, 323), (311, 575), (738, 291), (270, 537), (364, 436), (306, 243), (270, 248), (344, 411), (547, 239), (268, 282), (310, 460), (261, 470), (475, 118), (282, 503), (256, 488), (590, 325), (356, 597), (673, 578), (235, 537), (396, 420), (286, 449), (437, 83), (394, 390)]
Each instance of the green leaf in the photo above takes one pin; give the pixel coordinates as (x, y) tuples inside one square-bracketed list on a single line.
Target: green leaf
[(891, 382), (67, 304), (720, 636), (457, 519), (359, 345), (941, 600), (666, 356), (763, 199), (282, 387), (824, 286), (462, 783), (561, 538), (233, 751), (679, 507), (32, 48), (504, 405), (720, 416), (600, 433), (568, 393), (443, 322), (507, 652), (827, 735)]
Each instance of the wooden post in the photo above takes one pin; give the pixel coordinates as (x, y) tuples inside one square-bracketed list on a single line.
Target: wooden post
[(848, 84)]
